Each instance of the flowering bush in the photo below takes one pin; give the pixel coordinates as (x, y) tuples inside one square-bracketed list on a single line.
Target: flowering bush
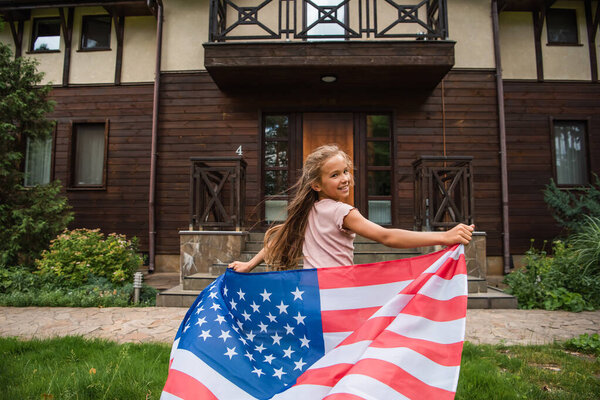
[(75, 255)]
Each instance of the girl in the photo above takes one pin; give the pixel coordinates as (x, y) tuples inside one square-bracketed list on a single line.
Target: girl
[(321, 227)]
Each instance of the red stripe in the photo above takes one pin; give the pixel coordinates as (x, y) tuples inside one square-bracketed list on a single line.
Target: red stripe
[(346, 320), (383, 371), (377, 273), (444, 354), (343, 396), (453, 267), (182, 385), (369, 331), (437, 310)]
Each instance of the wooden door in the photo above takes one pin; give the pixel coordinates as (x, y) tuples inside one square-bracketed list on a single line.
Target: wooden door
[(328, 128)]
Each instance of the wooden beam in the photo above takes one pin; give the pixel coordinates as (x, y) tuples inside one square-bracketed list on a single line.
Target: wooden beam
[(66, 25), (17, 34), (119, 30), (592, 29), (538, 23)]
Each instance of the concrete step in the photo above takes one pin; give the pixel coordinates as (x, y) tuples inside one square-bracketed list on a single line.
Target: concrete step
[(176, 297), (492, 299), (198, 281), (476, 285)]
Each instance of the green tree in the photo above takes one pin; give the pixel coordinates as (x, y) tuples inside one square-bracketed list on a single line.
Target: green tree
[(29, 217)]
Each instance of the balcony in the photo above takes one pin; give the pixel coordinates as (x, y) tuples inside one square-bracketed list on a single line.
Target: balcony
[(361, 44)]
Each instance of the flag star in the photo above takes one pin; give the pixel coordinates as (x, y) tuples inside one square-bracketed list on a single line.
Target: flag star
[(250, 336), (205, 334), (241, 294), (225, 290), (271, 317), (235, 328), (266, 295), (299, 365), (258, 372), (288, 353), (288, 329), (298, 294), (225, 335), (260, 348), (243, 341), (198, 311), (279, 372), (231, 352), (276, 339), (220, 319), (263, 327), (269, 358), (305, 342), (255, 307), (282, 308), (215, 306), (233, 304), (240, 324), (299, 318), (249, 355), (201, 321), (186, 328), (213, 295), (246, 315)]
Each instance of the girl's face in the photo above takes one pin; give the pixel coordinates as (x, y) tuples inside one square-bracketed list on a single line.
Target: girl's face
[(335, 179)]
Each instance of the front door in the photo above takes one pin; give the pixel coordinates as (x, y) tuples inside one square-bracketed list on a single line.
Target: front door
[(328, 128)]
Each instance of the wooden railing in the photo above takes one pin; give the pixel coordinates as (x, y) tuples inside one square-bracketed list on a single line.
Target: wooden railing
[(314, 19), (443, 192), (217, 193)]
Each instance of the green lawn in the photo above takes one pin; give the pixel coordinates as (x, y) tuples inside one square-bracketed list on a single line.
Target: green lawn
[(77, 368)]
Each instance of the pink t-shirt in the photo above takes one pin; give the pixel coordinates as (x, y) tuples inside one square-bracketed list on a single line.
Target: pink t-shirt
[(326, 242)]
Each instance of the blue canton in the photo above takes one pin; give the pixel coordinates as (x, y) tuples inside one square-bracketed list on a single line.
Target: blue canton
[(261, 331)]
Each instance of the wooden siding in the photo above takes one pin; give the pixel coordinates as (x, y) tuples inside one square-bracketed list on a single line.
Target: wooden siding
[(197, 119), (529, 108), (123, 206)]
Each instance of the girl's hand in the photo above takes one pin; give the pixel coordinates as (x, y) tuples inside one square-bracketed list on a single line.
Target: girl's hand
[(240, 266), (461, 233)]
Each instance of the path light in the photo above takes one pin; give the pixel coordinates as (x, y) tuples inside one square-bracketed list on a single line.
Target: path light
[(137, 285)]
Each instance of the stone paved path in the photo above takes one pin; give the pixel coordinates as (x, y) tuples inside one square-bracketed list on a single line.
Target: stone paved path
[(159, 324)]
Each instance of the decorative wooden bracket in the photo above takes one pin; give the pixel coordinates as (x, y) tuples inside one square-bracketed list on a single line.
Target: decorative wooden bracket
[(592, 22), (66, 25), (17, 34)]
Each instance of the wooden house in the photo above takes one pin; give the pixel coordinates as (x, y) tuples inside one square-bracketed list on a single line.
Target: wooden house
[(503, 94)]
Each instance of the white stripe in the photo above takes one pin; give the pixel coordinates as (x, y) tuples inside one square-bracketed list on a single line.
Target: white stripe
[(173, 348), (169, 396), (346, 354), (366, 387), (446, 256), (417, 365), (443, 289), (307, 392), (332, 339), (360, 296), (394, 306), (422, 328), (186, 362)]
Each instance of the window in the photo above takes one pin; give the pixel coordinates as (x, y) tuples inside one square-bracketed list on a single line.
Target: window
[(562, 26), (379, 169), (95, 32), (570, 152), (329, 25), (276, 165), (46, 35), (38, 162), (88, 154)]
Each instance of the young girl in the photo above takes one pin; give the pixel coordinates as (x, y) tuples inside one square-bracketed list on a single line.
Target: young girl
[(321, 226)]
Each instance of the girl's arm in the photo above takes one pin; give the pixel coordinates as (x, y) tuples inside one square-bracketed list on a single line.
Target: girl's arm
[(240, 266), (400, 238)]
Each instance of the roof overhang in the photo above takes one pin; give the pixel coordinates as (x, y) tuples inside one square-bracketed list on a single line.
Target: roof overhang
[(524, 5), (21, 10), (355, 64)]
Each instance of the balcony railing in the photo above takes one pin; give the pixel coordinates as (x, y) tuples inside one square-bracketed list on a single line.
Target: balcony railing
[(327, 19), (443, 192), (217, 190)]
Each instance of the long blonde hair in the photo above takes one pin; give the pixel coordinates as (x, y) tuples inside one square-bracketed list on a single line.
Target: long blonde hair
[(283, 243)]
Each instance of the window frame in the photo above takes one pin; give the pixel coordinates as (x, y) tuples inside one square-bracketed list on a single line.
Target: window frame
[(83, 21), (52, 155), (571, 11), (587, 123), (33, 31), (72, 156)]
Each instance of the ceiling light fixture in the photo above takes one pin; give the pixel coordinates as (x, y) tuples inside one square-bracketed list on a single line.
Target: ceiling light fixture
[(329, 78)]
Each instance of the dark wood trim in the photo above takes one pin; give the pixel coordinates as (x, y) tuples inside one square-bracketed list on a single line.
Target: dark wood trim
[(592, 29), (588, 122), (67, 30), (119, 22), (17, 34), (53, 155), (71, 154), (538, 23)]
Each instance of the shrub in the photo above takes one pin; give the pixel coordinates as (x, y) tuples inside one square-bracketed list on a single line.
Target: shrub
[(584, 343), (74, 255), (586, 246), (569, 207)]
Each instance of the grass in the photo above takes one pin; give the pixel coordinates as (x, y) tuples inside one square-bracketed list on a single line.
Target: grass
[(77, 368)]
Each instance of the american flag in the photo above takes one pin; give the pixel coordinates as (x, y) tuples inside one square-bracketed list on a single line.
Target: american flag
[(387, 330)]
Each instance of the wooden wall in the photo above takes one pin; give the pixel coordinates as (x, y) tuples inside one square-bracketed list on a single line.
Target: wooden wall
[(197, 119), (123, 206), (529, 107)]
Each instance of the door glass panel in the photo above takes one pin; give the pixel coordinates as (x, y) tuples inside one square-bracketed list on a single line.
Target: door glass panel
[(380, 211), (379, 183), (276, 154), (276, 182), (378, 126), (378, 153), (276, 127), (275, 210)]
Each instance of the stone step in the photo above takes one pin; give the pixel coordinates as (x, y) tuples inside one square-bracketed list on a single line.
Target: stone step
[(198, 281), (476, 285), (176, 297)]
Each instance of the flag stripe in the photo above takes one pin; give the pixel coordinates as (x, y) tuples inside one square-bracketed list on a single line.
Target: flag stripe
[(369, 331), (343, 396), (369, 389), (436, 310), (184, 386), (345, 320), (308, 392), (422, 328), (360, 297), (440, 288), (443, 354)]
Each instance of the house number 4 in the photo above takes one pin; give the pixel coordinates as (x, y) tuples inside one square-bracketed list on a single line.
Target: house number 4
[(239, 151)]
